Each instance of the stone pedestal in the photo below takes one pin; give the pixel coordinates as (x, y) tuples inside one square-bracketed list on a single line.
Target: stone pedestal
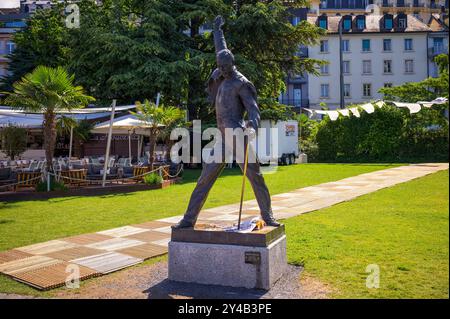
[(250, 260)]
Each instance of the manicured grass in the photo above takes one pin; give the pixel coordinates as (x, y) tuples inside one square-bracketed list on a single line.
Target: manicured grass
[(403, 229), (27, 222)]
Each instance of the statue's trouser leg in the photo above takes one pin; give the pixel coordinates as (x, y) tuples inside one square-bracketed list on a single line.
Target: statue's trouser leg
[(209, 175), (262, 195)]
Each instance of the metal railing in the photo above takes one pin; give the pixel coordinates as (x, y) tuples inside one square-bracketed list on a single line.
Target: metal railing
[(433, 51), (295, 102)]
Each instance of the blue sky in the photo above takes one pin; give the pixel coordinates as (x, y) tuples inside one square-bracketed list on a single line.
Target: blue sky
[(9, 3)]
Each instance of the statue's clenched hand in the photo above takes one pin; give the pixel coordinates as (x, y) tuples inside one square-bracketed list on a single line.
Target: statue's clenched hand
[(218, 22)]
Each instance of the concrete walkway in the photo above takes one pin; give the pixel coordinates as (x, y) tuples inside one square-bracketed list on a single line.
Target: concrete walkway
[(44, 265)]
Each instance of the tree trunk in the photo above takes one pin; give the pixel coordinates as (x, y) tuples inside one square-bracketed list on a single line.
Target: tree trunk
[(152, 144), (49, 138)]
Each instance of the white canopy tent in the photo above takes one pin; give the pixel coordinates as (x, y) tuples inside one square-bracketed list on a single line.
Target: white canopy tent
[(127, 124)]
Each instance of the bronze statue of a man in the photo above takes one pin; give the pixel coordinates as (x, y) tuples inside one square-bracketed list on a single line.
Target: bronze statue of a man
[(232, 94)]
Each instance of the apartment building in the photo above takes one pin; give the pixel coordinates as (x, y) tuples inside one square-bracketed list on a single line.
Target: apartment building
[(437, 42), (9, 24), (378, 51), (422, 9)]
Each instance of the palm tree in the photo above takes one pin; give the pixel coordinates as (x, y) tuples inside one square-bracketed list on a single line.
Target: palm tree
[(48, 90), (161, 119)]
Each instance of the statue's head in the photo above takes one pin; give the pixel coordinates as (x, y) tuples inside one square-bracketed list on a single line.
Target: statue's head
[(225, 62)]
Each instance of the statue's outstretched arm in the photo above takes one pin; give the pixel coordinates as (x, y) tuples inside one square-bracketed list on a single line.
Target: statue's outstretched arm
[(247, 94), (219, 39)]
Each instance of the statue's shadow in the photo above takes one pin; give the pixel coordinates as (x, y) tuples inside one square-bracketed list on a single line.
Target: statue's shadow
[(168, 289)]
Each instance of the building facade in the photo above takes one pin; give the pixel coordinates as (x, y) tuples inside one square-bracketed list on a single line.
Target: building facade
[(9, 24), (378, 51), (421, 8), (437, 43)]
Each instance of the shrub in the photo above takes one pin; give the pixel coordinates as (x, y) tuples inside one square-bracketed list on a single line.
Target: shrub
[(153, 179), (54, 186), (389, 134)]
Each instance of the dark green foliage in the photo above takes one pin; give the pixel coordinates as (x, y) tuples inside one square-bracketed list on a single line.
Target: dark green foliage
[(54, 186), (389, 134), (273, 110), (14, 140)]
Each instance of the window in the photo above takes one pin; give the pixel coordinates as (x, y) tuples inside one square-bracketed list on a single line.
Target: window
[(347, 23), (438, 45), (345, 45), (10, 47), (346, 67), (360, 23), (323, 22), (296, 20), (388, 85), (387, 66), (366, 45), (367, 90), (324, 69), (388, 22), (324, 46), (367, 67), (408, 44), (324, 90), (402, 22), (387, 45), (409, 66), (346, 90)]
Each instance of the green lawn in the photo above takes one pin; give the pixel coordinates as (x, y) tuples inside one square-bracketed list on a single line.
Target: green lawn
[(28, 222), (403, 229)]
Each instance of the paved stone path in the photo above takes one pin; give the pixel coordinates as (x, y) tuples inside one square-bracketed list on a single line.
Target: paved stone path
[(44, 265)]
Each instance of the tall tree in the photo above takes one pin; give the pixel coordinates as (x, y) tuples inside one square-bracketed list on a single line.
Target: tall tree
[(47, 90), (42, 42)]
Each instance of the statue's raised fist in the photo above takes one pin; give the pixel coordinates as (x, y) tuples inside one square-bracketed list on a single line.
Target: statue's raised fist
[(218, 22)]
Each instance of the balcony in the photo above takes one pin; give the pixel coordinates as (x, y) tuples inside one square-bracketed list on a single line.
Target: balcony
[(295, 102), (297, 79), (433, 51)]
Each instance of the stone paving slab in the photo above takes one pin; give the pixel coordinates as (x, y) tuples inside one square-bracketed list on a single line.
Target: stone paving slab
[(41, 265)]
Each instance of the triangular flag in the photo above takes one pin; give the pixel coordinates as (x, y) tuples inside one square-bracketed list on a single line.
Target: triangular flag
[(368, 107), (413, 107), (344, 112), (355, 111), (380, 104)]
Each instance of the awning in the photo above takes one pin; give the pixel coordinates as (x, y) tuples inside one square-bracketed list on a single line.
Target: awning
[(124, 124)]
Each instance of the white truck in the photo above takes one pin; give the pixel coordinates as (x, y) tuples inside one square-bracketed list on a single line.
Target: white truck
[(279, 143)]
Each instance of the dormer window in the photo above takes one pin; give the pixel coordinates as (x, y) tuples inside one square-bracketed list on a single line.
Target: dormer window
[(347, 23), (388, 22), (360, 22), (323, 22), (402, 21)]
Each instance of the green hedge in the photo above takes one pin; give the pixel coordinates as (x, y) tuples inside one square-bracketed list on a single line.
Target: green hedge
[(389, 134)]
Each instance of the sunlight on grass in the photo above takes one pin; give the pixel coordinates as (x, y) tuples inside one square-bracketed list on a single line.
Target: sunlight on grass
[(403, 229)]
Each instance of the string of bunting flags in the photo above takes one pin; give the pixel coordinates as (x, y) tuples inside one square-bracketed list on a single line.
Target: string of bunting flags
[(370, 108)]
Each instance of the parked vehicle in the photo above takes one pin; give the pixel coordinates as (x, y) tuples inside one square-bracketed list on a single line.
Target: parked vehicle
[(280, 142)]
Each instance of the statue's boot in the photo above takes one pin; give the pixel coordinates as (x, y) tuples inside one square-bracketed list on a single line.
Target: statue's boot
[(269, 220), (183, 224)]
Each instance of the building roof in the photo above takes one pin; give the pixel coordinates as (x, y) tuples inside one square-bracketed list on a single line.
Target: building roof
[(436, 24), (374, 24), (9, 11)]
